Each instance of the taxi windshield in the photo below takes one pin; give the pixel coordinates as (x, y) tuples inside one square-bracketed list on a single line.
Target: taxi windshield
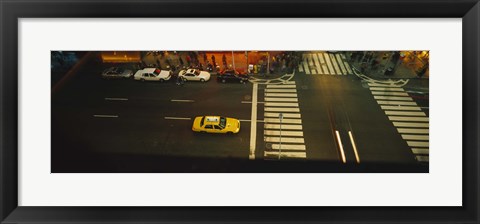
[(223, 122)]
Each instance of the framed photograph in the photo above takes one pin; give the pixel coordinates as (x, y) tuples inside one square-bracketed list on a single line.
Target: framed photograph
[(239, 111)]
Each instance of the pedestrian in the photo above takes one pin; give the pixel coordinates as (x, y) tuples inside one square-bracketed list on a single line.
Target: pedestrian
[(205, 59), (213, 61), (180, 81), (188, 60), (224, 60), (181, 61)]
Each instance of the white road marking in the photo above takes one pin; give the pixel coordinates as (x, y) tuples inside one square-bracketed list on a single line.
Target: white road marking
[(410, 124), (244, 120), (289, 147), (284, 139), (412, 131), (281, 94), (329, 63), (281, 109), (422, 158), (183, 101), (286, 154), (405, 113), (284, 133), (270, 104), (387, 89), (340, 62), (251, 102), (313, 71), (253, 126), (317, 64), (381, 85), (275, 86), (178, 118), (324, 65), (280, 99), (310, 61), (284, 121), (354, 147), (335, 65), (389, 93), (412, 108), (348, 67), (284, 126), (420, 151), (285, 115), (417, 144), (105, 116), (300, 68), (342, 153), (397, 118), (392, 98), (305, 65), (407, 103), (120, 99), (280, 90), (415, 137)]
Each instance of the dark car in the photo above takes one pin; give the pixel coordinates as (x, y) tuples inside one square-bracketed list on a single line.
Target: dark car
[(231, 76)]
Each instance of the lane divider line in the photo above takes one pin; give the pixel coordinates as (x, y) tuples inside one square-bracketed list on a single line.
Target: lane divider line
[(183, 101), (121, 99), (178, 118), (253, 126), (105, 116), (342, 153), (354, 147)]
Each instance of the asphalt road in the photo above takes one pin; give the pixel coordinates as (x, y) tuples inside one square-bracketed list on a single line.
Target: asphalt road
[(131, 126)]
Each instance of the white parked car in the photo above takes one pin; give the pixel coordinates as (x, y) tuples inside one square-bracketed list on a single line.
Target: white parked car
[(194, 75), (152, 74), (116, 72)]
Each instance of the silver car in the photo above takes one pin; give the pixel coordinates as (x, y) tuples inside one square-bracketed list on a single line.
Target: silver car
[(116, 73)]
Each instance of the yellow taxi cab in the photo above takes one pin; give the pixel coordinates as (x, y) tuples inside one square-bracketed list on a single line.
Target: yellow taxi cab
[(216, 124)]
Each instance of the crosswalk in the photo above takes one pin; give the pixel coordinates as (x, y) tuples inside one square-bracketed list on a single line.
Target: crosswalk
[(323, 63), (407, 117), (283, 138)]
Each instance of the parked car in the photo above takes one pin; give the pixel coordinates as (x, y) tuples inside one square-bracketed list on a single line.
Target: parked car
[(231, 76), (216, 124), (116, 73), (194, 75), (153, 74)]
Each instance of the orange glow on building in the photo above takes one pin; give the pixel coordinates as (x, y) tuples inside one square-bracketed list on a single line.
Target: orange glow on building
[(121, 56)]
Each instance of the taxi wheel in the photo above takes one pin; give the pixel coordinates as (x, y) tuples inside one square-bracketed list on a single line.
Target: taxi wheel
[(242, 82), (202, 80), (162, 80), (224, 81), (143, 80), (229, 133)]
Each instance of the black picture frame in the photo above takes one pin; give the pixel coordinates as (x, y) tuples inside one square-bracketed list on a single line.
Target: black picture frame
[(11, 11)]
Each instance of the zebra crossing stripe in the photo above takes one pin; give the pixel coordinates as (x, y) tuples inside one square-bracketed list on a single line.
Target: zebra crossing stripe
[(280, 90), (414, 108), (396, 118), (305, 66), (329, 63), (415, 137), (284, 139), (289, 147), (348, 67), (281, 94), (343, 56), (387, 89), (281, 99), (284, 126), (422, 158), (282, 86), (335, 65), (405, 113), (270, 104), (313, 71), (404, 103), (392, 98), (286, 154), (389, 93), (340, 62), (281, 109), (300, 68), (420, 151), (289, 82), (410, 124), (285, 115), (310, 61), (412, 131), (324, 65), (417, 144), (284, 133), (284, 121), (317, 64)]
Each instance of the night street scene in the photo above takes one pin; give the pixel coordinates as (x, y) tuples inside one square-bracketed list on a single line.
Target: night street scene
[(240, 111)]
